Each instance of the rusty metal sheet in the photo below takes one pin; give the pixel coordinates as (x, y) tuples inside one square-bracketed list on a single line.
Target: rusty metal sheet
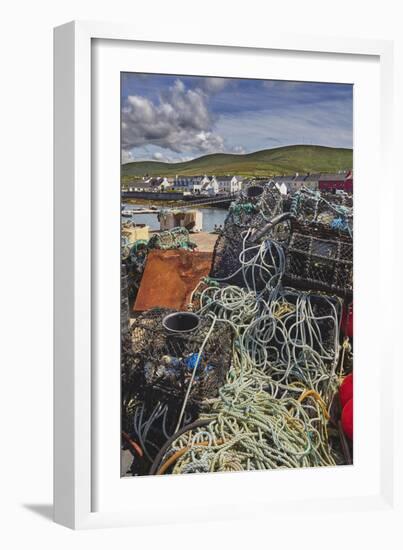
[(169, 278)]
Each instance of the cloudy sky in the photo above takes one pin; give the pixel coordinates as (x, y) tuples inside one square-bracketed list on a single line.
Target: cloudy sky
[(176, 118)]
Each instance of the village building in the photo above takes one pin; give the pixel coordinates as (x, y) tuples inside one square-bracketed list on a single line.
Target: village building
[(210, 187), (149, 184), (166, 183), (341, 181), (191, 184), (284, 180), (229, 184), (329, 182)]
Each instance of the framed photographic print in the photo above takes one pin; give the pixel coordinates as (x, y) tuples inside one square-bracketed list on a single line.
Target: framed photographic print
[(217, 228)]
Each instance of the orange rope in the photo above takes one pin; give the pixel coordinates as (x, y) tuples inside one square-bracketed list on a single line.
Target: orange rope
[(172, 459), (318, 398), (135, 446)]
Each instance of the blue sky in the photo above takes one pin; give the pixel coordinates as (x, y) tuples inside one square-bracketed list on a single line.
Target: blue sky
[(176, 118)]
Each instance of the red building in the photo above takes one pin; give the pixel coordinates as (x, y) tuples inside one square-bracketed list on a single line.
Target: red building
[(333, 182)]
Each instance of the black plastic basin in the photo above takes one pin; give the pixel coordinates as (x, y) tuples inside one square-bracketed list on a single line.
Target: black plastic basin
[(181, 321)]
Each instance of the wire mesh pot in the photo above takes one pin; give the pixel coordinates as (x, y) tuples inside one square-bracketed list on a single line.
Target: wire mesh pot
[(178, 237), (255, 206), (323, 210), (319, 248), (319, 258), (165, 347)]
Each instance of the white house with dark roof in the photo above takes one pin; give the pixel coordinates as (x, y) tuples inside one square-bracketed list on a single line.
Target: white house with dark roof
[(149, 184), (286, 180), (210, 187), (192, 184), (229, 184)]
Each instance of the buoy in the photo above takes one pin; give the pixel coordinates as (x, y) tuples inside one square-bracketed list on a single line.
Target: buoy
[(346, 390), (347, 419)]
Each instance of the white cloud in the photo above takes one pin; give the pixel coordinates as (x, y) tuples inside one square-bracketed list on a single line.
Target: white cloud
[(214, 84), (180, 121)]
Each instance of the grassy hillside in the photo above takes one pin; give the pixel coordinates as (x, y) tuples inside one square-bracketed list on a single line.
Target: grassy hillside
[(281, 160)]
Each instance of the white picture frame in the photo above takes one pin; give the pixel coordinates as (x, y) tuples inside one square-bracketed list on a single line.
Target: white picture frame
[(87, 493)]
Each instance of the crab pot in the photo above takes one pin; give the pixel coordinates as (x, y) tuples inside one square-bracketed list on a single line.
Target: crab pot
[(317, 258), (321, 209), (166, 349), (245, 213)]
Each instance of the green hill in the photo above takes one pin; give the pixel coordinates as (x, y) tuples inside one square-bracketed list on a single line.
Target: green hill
[(269, 162)]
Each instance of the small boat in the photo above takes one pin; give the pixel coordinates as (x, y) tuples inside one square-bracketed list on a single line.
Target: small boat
[(129, 212)]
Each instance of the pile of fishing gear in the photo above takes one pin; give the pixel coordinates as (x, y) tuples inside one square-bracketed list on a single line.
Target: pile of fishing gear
[(315, 231), (256, 384)]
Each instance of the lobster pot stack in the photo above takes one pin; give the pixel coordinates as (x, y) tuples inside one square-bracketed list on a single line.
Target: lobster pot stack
[(164, 360), (319, 252), (254, 208)]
